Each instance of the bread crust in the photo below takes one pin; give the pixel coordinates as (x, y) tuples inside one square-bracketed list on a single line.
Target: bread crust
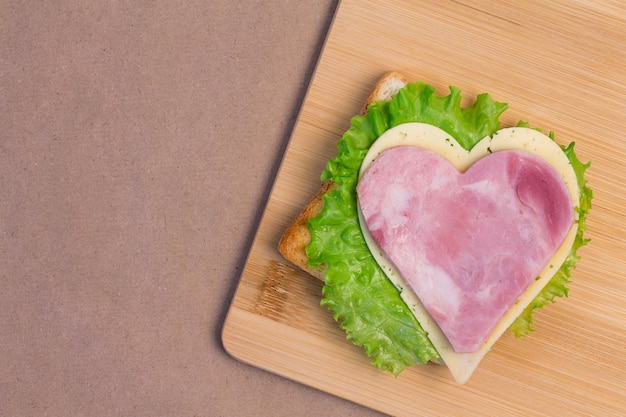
[(292, 245), (385, 89), (297, 236)]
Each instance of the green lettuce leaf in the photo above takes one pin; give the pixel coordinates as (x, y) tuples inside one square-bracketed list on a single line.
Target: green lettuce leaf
[(362, 299)]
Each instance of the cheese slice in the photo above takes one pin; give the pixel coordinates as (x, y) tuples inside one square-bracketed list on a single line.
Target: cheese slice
[(462, 365)]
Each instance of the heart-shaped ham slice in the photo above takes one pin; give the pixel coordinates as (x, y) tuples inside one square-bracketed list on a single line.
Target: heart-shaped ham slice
[(473, 234), (468, 244)]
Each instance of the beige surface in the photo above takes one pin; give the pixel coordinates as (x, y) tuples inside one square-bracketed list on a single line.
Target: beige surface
[(559, 65), (138, 140)]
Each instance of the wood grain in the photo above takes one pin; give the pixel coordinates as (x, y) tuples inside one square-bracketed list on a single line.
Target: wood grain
[(560, 65)]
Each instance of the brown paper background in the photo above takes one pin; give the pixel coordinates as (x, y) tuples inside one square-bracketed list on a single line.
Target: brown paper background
[(138, 144)]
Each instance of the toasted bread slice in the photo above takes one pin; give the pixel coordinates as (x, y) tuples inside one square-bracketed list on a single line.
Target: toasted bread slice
[(297, 236)]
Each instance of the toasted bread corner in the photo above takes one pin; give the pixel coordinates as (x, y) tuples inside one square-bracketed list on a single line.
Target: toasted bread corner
[(297, 236), (385, 89)]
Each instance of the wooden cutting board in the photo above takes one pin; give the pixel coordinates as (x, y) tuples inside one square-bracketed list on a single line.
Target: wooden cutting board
[(560, 65)]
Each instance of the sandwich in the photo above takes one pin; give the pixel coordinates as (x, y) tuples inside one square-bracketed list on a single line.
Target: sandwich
[(435, 229)]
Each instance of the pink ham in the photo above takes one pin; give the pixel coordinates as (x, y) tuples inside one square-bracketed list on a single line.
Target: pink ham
[(468, 244)]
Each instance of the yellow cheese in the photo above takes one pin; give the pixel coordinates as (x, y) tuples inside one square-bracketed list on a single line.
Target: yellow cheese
[(462, 365)]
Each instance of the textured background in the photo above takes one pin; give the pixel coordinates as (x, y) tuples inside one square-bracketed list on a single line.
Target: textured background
[(138, 143)]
